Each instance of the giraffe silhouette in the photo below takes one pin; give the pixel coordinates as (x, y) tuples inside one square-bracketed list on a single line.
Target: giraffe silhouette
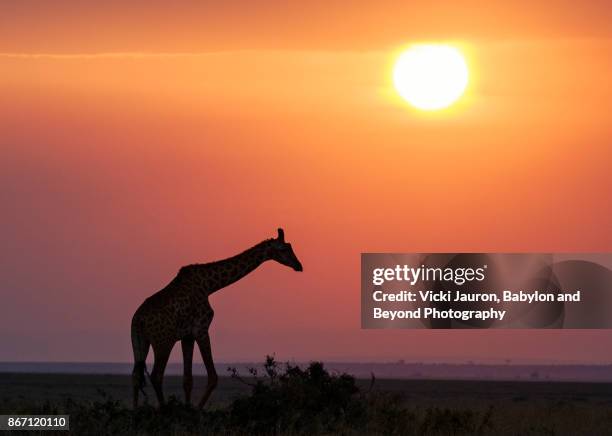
[(181, 312)]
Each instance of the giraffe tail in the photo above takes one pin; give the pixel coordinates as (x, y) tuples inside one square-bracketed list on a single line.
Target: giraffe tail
[(138, 376), (140, 346)]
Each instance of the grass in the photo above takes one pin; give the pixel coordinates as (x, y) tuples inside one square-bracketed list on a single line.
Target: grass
[(289, 400)]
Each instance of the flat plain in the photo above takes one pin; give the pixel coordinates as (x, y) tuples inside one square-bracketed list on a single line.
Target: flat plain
[(513, 407)]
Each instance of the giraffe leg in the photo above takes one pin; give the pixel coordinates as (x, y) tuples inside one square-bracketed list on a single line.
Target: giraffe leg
[(187, 345), (138, 381), (204, 345), (162, 354), (135, 390), (140, 345)]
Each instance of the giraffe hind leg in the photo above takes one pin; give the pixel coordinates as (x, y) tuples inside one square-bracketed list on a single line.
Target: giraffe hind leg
[(162, 354), (138, 381), (140, 347), (187, 345)]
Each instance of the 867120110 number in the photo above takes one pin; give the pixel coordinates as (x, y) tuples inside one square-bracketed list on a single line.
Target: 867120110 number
[(34, 422)]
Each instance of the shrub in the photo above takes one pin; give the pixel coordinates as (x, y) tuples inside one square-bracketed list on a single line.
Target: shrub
[(297, 400)]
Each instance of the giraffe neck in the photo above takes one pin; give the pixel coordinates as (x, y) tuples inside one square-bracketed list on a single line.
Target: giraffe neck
[(217, 275)]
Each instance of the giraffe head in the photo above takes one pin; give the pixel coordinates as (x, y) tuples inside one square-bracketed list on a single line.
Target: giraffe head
[(281, 251)]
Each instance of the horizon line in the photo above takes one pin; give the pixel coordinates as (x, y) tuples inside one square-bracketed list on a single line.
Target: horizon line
[(389, 362)]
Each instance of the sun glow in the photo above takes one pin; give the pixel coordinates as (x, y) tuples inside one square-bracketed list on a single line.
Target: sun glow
[(430, 76)]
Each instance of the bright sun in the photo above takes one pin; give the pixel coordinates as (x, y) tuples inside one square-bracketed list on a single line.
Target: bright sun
[(430, 76)]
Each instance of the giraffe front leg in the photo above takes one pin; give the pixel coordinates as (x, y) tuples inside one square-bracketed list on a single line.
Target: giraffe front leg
[(187, 345), (205, 350)]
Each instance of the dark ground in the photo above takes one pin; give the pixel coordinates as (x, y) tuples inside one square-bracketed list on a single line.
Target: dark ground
[(518, 408)]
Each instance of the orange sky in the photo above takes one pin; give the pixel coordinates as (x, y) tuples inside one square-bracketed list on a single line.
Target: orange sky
[(138, 139)]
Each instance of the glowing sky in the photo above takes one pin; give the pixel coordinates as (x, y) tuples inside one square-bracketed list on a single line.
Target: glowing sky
[(139, 138)]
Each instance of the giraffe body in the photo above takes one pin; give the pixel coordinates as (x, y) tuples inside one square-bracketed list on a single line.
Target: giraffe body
[(182, 312)]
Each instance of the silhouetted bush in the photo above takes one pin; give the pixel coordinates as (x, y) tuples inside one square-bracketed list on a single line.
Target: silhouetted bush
[(296, 400)]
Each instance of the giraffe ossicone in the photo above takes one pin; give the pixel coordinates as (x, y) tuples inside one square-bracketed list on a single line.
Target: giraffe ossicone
[(181, 312)]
